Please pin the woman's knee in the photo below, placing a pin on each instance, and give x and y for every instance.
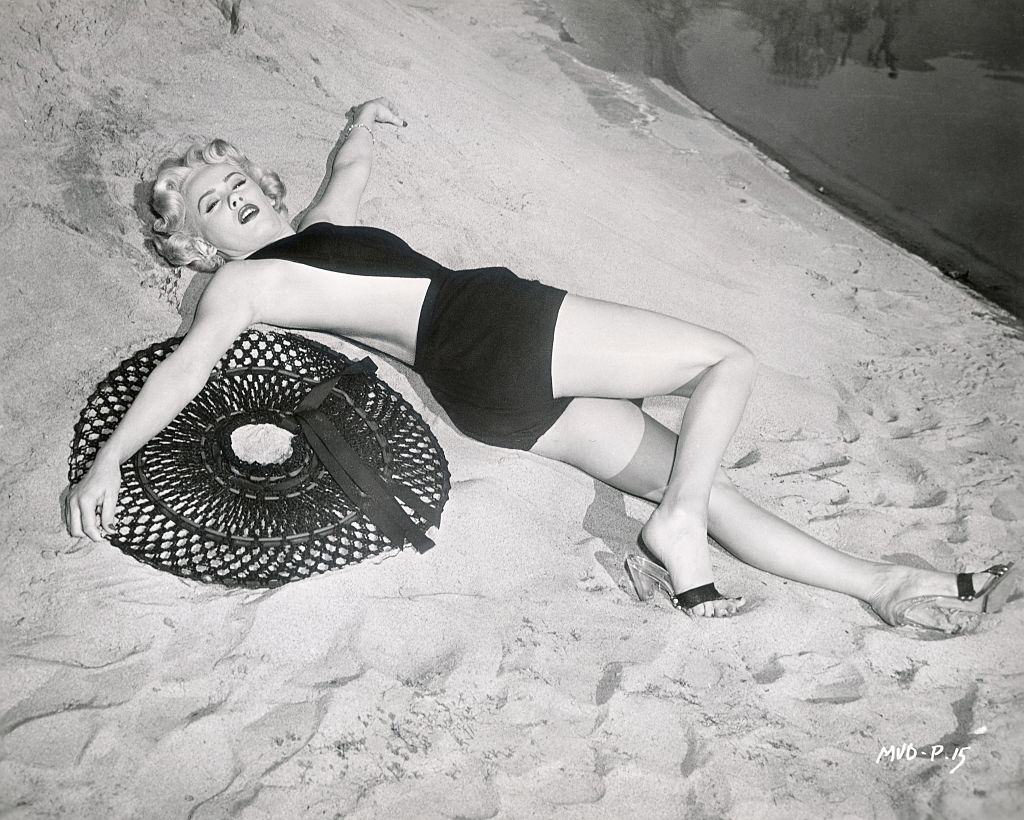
(725, 356)
(742, 358)
(739, 362)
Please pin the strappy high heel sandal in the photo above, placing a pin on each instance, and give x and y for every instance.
(645, 575)
(901, 612)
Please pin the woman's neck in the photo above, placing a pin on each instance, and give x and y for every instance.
(284, 231)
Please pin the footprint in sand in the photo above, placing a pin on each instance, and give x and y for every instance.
(572, 776)
(1009, 505)
(749, 204)
(655, 725)
(812, 678)
(770, 672)
(956, 529)
(844, 259)
(848, 431)
(901, 415)
(426, 640)
(862, 395)
(837, 298)
(903, 482)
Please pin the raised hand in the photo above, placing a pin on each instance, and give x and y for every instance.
(373, 111)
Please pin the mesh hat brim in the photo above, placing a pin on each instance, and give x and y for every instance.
(190, 506)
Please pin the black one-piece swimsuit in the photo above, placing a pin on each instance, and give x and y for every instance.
(483, 344)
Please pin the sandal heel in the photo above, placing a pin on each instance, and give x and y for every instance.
(638, 578)
(645, 575)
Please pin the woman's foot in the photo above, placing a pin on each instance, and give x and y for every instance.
(930, 599)
(680, 542)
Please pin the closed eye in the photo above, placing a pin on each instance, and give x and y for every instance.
(212, 203)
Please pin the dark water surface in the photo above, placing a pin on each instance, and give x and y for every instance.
(909, 113)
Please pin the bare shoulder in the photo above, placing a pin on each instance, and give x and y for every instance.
(241, 281)
(241, 274)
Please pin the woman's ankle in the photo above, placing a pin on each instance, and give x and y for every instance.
(682, 513)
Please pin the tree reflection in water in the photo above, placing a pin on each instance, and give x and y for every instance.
(889, 11)
(809, 38)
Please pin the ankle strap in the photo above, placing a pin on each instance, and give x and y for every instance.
(698, 595)
(965, 586)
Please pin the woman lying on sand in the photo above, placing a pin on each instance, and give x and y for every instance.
(515, 363)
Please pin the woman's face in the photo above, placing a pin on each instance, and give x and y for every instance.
(230, 211)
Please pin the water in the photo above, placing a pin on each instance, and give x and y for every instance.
(909, 113)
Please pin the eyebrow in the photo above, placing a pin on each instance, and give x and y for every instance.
(199, 202)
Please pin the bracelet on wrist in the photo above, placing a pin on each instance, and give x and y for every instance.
(353, 126)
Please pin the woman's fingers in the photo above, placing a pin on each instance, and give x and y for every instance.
(381, 109)
(81, 516)
(389, 113)
(92, 504)
(88, 509)
(74, 516)
(108, 510)
(388, 116)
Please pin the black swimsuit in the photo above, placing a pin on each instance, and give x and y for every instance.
(483, 344)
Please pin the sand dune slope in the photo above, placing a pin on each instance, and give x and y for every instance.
(507, 673)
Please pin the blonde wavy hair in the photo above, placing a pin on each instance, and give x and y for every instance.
(174, 231)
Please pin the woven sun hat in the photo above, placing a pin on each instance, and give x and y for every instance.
(293, 460)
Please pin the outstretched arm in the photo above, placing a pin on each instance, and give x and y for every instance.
(224, 311)
(346, 178)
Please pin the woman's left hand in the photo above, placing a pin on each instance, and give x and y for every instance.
(372, 111)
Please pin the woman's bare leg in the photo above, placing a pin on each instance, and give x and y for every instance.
(619, 444)
(602, 349)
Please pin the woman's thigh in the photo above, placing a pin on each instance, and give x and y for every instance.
(604, 349)
(614, 441)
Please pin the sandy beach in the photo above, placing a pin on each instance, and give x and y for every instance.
(508, 672)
